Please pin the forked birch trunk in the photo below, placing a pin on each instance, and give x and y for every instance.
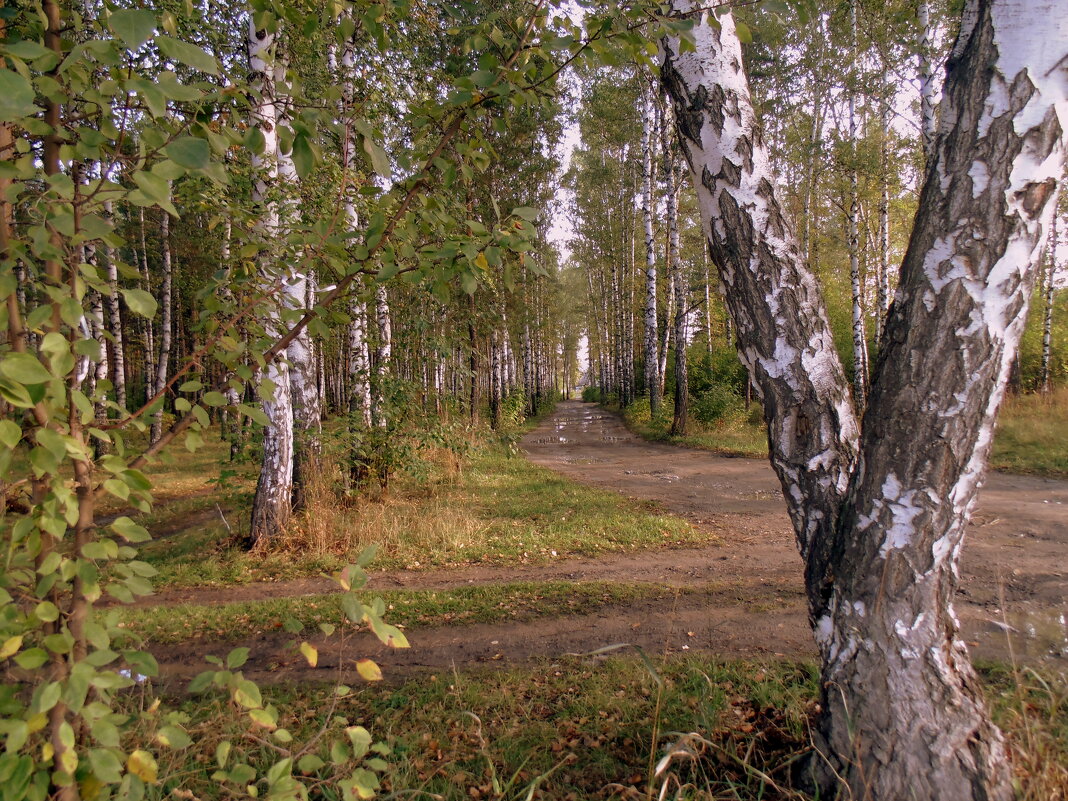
(880, 517)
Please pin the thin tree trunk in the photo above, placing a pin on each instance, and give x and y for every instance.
(924, 48)
(652, 376)
(166, 324)
(118, 371)
(882, 290)
(1045, 379)
(383, 357)
(860, 339)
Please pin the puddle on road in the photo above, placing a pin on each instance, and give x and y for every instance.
(1035, 634)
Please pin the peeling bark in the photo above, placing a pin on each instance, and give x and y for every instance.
(903, 713)
(272, 504)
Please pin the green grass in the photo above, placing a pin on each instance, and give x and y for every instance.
(519, 601)
(498, 510)
(1032, 435)
(580, 729)
(737, 433)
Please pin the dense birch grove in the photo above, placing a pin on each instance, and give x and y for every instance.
(326, 234)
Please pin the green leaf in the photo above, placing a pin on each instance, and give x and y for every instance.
(190, 152)
(133, 26)
(215, 399)
(106, 766)
(173, 737)
(24, 368)
(16, 96)
(528, 213)
(303, 155)
(309, 763)
(10, 434)
(236, 658)
(190, 55)
(154, 187)
(31, 659)
(140, 302)
(379, 159)
(247, 694)
(129, 530)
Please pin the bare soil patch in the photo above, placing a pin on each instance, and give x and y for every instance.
(1013, 591)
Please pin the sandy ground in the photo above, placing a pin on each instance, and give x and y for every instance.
(744, 595)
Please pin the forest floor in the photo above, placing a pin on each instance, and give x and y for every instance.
(738, 596)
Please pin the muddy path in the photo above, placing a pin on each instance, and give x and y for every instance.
(744, 595)
(1015, 559)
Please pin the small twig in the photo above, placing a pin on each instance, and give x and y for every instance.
(222, 517)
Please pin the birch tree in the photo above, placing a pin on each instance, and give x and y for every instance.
(652, 372)
(272, 503)
(880, 513)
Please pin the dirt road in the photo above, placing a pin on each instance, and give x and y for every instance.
(1016, 547)
(743, 596)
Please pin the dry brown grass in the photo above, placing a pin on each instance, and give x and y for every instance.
(417, 524)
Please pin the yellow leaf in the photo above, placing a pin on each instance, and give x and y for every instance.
(368, 670)
(480, 261)
(11, 646)
(142, 765)
(310, 653)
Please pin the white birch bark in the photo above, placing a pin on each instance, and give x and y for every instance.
(903, 717)
(652, 373)
(383, 356)
(882, 289)
(299, 295)
(860, 339)
(162, 362)
(114, 323)
(272, 504)
(925, 46)
(148, 336)
(1045, 378)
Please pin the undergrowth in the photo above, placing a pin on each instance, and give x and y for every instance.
(576, 729)
(490, 508)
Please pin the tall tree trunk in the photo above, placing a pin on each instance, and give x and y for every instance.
(924, 48)
(299, 292)
(148, 339)
(652, 376)
(882, 289)
(166, 325)
(114, 324)
(860, 338)
(383, 357)
(272, 503)
(903, 716)
(1045, 382)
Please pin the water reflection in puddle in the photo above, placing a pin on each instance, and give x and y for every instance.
(1034, 634)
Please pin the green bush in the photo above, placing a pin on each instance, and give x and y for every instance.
(715, 403)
